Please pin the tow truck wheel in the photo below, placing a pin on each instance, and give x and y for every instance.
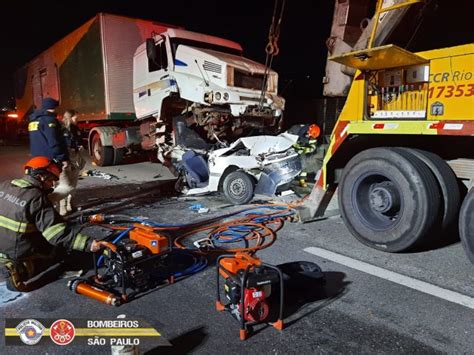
(101, 155)
(466, 225)
(238, 187)
(447, 182)
(388, 200)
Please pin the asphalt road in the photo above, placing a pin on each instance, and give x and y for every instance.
(372, 302)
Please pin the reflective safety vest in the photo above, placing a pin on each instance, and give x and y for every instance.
(305, 147)
(29, 224)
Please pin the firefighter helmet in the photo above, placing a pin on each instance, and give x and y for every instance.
(42, 164)
(314, 131)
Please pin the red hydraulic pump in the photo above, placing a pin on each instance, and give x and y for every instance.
(248, 285)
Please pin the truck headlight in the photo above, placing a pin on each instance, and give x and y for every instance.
(217, 96)
(208, 97)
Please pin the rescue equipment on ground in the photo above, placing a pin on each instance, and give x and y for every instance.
(248, 285)
(135, 265)
(141, 257)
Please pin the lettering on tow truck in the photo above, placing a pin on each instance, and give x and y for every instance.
(454, 76)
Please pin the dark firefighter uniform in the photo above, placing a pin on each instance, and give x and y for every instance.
(30, 227)
(46, 137)
(306, 144)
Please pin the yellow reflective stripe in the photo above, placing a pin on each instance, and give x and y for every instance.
(21, 183)
(50, 232)
(15, 226)
(80, 242)
(33, 126)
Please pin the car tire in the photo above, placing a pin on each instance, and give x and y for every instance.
(101, 155)
(388, 200)
(238, 187)
(466, 225)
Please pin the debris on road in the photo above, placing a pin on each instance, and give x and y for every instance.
(99, 174)
(196, 207)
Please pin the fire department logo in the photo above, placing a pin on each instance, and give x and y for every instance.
(30, 331)
(62, 332)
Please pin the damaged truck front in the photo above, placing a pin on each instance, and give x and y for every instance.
(129, 78)
(207, 81)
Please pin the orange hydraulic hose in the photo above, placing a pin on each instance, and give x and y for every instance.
(264, 233)
(99, 295)
(221, 227)
(108, 245)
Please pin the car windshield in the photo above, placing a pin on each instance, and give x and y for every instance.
(176, 42)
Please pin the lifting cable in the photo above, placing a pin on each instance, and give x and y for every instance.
(272, 48)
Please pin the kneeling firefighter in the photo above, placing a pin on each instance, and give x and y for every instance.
(33, 236)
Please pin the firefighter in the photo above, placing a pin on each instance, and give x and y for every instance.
(306, 145)
(33, 236)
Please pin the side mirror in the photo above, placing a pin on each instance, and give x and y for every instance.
(151, 49)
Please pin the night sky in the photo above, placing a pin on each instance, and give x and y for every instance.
(26, 29)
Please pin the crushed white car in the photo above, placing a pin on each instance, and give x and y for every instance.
(248, 166)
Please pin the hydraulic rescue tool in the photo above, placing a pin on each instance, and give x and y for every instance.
(133, 265)
(248, 285)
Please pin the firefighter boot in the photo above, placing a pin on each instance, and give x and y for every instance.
(302, 179)
(18, 274)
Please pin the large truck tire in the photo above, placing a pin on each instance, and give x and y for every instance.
(388, 200)
(466, 225)
(238, 187)
(447, 183)
(101, 155)
(118, 155)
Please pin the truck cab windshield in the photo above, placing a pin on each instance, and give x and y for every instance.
(176, 42)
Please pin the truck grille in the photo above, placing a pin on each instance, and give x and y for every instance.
(213, 67)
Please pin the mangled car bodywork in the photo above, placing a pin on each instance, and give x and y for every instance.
(248, 166)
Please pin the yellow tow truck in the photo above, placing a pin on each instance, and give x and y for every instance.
(401, 154)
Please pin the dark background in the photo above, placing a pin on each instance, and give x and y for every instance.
(26, 29)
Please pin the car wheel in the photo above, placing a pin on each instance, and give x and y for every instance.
(238, 187)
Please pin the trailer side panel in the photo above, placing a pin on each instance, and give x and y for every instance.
(70, 71)
(82, 76)
(121, 36)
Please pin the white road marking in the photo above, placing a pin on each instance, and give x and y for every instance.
(425, 287)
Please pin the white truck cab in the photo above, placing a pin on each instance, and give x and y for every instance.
(206, 79)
